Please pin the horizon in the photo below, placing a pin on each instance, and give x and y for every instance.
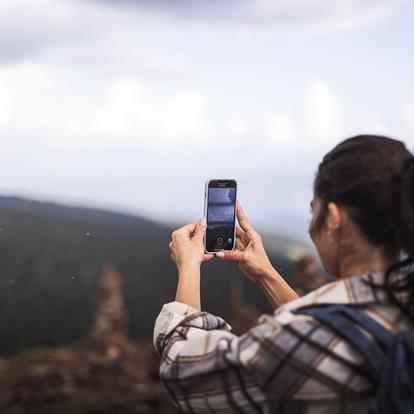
(272, 238)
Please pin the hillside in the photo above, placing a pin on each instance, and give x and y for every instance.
(51, 257)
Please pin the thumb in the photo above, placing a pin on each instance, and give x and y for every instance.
(235, 255)
(200, 229)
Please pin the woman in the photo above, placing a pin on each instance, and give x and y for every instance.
(362, 226)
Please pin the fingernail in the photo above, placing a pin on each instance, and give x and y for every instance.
(203, 222)
(220, 254)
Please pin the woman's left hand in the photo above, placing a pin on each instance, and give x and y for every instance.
(187, 247)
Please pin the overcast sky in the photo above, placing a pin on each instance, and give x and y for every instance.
(131, 105)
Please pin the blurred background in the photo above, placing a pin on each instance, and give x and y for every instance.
(113, 113)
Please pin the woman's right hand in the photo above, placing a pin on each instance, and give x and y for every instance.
(249, 251)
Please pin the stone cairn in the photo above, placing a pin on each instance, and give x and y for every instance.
(107, 337)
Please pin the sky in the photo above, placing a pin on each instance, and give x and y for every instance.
(131, 105)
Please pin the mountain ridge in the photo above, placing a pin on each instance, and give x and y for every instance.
(51, 257)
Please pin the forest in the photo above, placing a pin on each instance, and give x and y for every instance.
(51, 258)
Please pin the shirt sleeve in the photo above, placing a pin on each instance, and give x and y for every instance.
(201, 365)
(275, 366)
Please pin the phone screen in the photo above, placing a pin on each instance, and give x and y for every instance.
(221, 209)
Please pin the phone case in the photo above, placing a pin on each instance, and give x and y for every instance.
(205, 215)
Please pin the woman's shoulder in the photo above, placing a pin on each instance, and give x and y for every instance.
(362, 291)
(357, 290)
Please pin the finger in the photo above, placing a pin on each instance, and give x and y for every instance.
(189, 228)
(170, 245)
(242, 236)
(208, 257)
(249, 231)
(200, 229)
(240, 245)
(239, 232)
(235, 255)
(245, 238)
(186, 231)
(242, 219)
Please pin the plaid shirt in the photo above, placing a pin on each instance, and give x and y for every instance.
(287, 363)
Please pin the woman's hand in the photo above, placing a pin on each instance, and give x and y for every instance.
(187, 252)
(187, 247)
(249, 251)
(254, 263)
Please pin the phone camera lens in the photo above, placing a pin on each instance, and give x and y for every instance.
(219, 240)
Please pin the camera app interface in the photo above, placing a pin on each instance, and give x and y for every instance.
(220, 218)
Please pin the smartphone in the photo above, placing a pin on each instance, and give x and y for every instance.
(220, 213)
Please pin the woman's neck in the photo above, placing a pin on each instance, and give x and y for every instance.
(365, 259)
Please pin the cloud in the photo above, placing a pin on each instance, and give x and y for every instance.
(323, 112)
(58, 109)
(27, 29)
(312, 14)
(280, 132)
(131, 113)
(3, 105)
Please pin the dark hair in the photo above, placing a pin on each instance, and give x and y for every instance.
(373, 177)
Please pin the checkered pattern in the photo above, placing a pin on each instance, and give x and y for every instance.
(287, 363)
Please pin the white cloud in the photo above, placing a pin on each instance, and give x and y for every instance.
(54, 107)
(43, 105)
(185, 116)
(3, 105)
(280, 132)
(130, 112)
(323, 112)
(310, 14)
(28, 28)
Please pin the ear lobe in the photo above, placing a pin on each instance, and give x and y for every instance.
(334, 219)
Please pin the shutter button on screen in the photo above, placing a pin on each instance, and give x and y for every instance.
(219, 240)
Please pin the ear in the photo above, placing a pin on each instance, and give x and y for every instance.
(335, 217)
